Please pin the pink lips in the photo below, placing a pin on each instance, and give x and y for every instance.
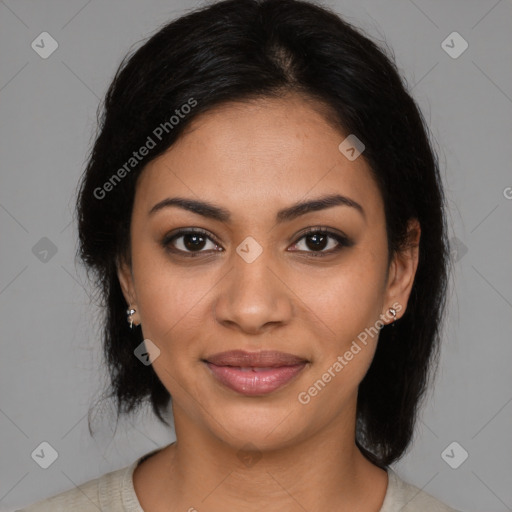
(254, 373)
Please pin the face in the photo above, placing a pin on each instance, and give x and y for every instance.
(254, 274)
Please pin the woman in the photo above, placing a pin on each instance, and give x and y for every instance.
(264, 214)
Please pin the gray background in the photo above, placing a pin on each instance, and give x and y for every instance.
(51, 363)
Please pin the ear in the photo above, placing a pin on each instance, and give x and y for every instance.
(402, 271)
(125, 276)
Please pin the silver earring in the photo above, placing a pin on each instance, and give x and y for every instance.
(393, 312)
(129, 313)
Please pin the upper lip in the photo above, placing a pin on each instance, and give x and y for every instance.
(263, 359)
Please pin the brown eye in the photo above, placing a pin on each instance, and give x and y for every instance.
(321, 241)
(317, 241)
(193, 241)
(189, 241)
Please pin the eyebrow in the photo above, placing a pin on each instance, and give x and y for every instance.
(211, 211)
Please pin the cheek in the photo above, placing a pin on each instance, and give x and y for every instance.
(173, 305)
(347, 299)
(170, 303)
(345, 344)
(348, 303)
(157, 289)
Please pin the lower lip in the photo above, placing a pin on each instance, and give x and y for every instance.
(254, 382)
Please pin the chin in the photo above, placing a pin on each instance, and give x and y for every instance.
(267, 424)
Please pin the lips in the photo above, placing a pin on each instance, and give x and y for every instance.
(263, 359)
(254, 373)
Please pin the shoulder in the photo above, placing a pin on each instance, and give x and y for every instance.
(404, 497)
(103, 493)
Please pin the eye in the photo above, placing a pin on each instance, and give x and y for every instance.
(189, 241)
(319, 239)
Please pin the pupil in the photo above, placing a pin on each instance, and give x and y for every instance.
(319, 238)
(198, 242)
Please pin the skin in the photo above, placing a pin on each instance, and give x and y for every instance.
(253, 159)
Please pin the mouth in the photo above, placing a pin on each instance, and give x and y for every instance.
(254, 373)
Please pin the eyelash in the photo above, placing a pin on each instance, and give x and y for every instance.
(343, 241)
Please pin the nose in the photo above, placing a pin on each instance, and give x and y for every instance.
(253, 297)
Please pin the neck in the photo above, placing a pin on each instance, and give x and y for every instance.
(324, 470)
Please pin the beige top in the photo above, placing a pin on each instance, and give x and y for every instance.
(114, 492)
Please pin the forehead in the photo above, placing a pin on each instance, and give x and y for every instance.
(255, 155)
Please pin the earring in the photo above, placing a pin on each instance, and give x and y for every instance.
(129, 313)
(393, 312)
